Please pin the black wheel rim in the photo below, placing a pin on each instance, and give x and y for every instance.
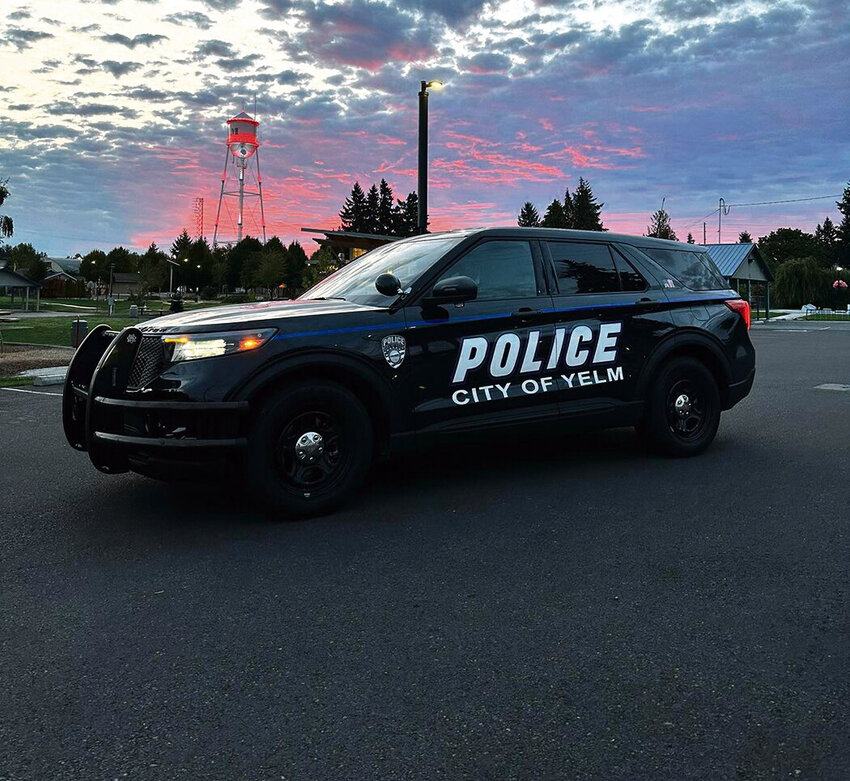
(310, 452)
(686, 410)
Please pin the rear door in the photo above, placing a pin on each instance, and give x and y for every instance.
(608, 316)
(468, 361)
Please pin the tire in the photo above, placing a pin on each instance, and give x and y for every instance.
(682, 410)
(309, 448)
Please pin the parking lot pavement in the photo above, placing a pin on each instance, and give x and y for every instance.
(567, 608)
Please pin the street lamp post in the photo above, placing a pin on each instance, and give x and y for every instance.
(422, 185)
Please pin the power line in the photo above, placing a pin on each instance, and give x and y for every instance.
(759, 203)
(788, 200)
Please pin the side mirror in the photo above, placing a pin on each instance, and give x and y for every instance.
(453, 290)
(388, 285)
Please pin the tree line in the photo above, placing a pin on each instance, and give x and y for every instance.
(579, 211)
(278, 269)
(378, 212)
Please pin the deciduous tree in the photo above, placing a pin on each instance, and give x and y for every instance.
(7, 227)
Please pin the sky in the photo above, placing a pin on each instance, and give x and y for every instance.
(114, 111)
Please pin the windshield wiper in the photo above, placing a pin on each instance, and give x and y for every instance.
(328, 298)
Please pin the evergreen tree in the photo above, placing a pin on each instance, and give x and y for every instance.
(554, 217)
(406, 216)
(181, 246)
(569, 210)
(354, 211)
(199, 264)
(826, 236)
(659, 226)
(373, 207)
(386, 218)
(296, 268)
(586, 210)
(7, 227)
(152, 269)
(528, 216)
(843, 229)
(690, 238)
(243, 262)
(745, 238)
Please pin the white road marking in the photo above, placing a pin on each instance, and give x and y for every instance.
(37, 393)
(834, 386)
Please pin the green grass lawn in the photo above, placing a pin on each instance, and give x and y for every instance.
(54, 330)
(15, 382)
(841, 317)
(89, 306)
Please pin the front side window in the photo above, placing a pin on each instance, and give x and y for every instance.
(583, 268)
(501, 269)
(631, 280)
(407, 260)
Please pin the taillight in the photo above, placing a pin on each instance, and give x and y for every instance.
(742, 308)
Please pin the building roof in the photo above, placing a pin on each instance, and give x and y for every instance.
(9, 278)
(68, 265)
(739, 261)
(243, 117)
(125, 278)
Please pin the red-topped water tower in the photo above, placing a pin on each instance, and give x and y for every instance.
(243, 151)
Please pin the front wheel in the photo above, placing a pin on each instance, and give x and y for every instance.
(309, 448)
(682, 410)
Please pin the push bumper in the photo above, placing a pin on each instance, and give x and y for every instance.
(121, 429)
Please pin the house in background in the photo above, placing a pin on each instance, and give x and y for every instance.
(125, 284)
(744, 267)
(63, 278)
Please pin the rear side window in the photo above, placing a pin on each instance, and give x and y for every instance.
(695, 270)
(583, 268)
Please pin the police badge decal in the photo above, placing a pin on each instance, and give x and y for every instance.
(394, 348)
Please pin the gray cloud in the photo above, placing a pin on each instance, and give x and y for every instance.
(144, 39)
(213, 48)
(119, 69)
(22, 39)
(201, 21)
(485, 62)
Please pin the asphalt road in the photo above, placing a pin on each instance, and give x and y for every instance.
(572, 608)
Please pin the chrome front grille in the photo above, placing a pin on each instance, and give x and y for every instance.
(148, 363)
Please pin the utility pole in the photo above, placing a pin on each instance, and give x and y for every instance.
(722, 209)
(703, 234)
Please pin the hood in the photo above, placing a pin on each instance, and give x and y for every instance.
(262, 313)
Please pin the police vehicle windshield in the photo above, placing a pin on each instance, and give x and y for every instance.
(407, 260)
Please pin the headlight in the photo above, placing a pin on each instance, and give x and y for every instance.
(190, 347)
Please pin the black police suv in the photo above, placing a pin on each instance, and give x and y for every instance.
(436, 335)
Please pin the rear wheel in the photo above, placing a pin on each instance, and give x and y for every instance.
(682, 409)
(309, 448)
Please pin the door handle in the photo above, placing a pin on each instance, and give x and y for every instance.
(525, 313)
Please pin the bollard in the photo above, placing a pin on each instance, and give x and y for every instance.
(79, 328)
